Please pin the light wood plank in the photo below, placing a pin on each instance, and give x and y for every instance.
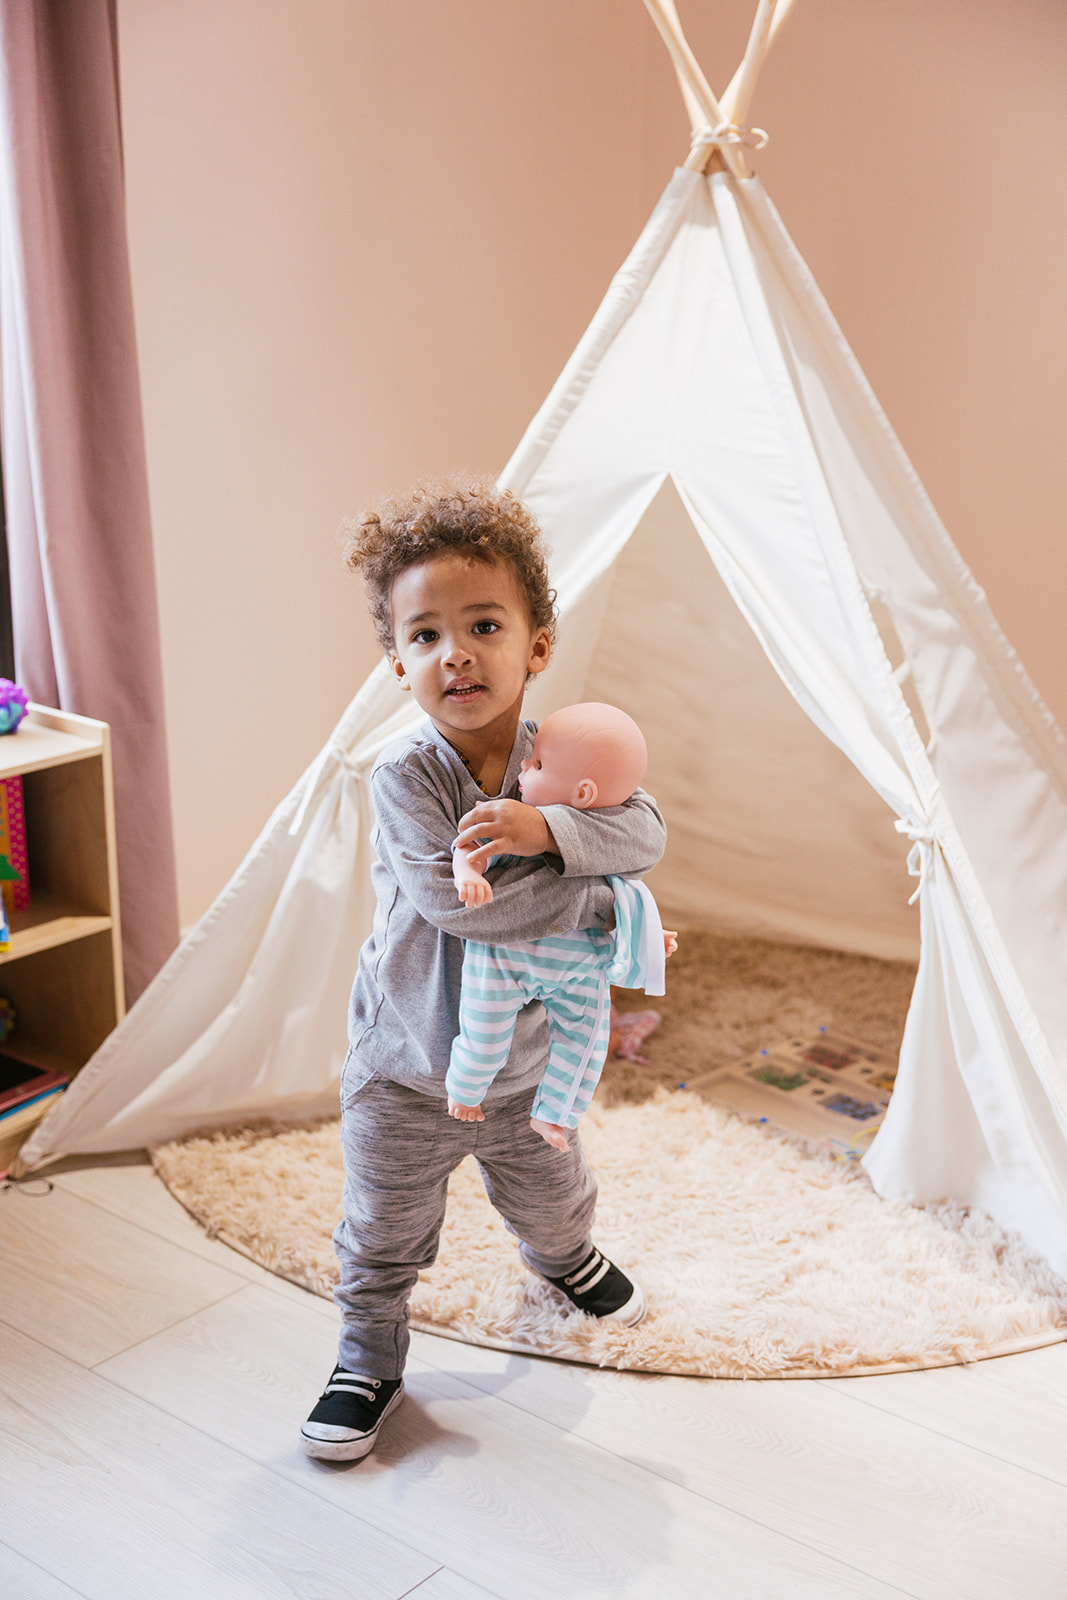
(1014, 1408)
(48, 922)
(844, 1478)
(445, 1585)
(87, 1284)
(129, 1188)
(123, 1502)
(45, 739)
(24, 1580)
(494, 1494)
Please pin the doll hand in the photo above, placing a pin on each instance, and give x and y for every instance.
(464, 1113)
(471, 887)
(503, 828)
(475, 892)
(670, 943)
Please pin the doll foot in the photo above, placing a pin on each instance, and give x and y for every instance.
(465, 1113)
(553, 1135)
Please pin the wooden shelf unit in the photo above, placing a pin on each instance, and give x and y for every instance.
(63, 972)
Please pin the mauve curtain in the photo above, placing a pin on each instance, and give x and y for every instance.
(82, 573)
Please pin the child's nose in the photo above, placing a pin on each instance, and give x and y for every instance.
(456, 652)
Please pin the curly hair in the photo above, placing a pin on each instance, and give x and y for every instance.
(456, 515)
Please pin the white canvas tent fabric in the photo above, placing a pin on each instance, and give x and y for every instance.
(714, 411)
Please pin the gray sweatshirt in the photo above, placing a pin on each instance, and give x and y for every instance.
(404, 1011)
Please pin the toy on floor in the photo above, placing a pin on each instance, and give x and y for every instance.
(586, 756)
(629, 1030)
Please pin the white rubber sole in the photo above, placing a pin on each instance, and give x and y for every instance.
(344, 1444)
(630, 1314)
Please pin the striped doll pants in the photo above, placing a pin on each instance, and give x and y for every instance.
(568, 974)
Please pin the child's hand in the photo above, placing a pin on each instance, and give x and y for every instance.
(504, 828)
(670, 943)
(464, 1113)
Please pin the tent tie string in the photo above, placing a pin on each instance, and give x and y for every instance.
(921, 854)
(727, 133)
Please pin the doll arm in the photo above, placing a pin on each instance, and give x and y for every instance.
(470, 881)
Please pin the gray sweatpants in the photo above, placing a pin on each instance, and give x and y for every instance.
(400, 1147)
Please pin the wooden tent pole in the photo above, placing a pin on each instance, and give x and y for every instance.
(734, 104)
(747, 73)
(697, 117)
(700, 102)
(689, 74)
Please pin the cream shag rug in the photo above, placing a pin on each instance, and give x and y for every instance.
(760, 1259)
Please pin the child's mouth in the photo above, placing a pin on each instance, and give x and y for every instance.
(464, 691)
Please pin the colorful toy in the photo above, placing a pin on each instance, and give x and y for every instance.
(13, 705)
(7, 875)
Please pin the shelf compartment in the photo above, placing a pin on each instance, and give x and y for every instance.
(49, 921)
(66, 1000)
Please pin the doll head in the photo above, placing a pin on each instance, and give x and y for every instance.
(584, 756)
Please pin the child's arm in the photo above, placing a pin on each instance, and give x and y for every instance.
(530, 899)
(625, 840)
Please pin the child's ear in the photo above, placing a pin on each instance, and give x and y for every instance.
(398, 670)
(540, 650)
(585, 795)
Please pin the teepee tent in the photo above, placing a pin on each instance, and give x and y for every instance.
(747, 563)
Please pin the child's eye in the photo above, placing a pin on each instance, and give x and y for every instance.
(424, 636)
(486, 625)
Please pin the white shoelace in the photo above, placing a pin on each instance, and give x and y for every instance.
(350, 1383)
(588, 1275)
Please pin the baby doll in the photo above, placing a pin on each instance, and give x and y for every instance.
(584, 756)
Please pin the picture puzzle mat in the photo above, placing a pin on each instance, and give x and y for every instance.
(829, 1089)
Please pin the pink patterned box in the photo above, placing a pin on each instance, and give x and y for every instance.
(13, 843)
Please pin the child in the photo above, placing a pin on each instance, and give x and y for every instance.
(584, 756)
(459, 593)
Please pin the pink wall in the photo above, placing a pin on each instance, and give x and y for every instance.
(365, 237)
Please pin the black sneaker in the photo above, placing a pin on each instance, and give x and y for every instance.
(350, 1410)
(598, 1288)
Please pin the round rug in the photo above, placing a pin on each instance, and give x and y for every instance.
(760, 1260)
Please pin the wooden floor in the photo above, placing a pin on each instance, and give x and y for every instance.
(152, 1384)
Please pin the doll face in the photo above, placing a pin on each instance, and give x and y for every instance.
(551, 775)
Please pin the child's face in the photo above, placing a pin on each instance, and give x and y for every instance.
(464, 644)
